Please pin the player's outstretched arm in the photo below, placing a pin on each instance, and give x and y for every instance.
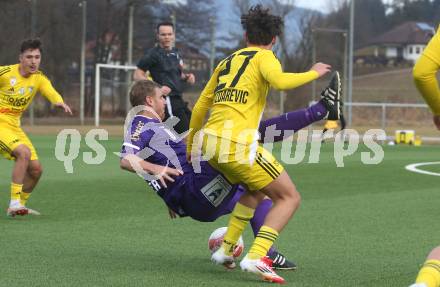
(321, 68)
(49, 92)
(164, 174)
(272, 71)
(424, 74)
(65, 107)
(287, 81)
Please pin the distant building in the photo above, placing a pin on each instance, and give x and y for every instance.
(405, 42)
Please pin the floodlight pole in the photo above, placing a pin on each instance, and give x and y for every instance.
(213, 50)
(129, 52)
(344, 88)
(33, 34)
(283, 65)
(83, 5)
(313, 62)
(350, 63)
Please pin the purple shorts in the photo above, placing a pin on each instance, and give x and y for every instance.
(208, 195)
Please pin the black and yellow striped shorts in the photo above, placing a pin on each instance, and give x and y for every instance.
(250, 165)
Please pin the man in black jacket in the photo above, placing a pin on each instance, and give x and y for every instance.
(165, 66)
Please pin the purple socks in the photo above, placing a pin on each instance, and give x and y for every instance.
(292, 121)
(259, 216)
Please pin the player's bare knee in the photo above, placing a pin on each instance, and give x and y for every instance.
(290, 197)
(296, 199)
(36, 171)
(293, 197)
(435, 253)
(22, 153)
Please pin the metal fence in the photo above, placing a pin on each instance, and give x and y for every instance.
(394, 116)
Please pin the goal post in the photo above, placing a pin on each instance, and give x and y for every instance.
(98, 82)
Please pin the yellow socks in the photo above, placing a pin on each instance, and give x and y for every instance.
(24, 196)
(15, 193)
(240, 217)
(430, 273)
(263, 242)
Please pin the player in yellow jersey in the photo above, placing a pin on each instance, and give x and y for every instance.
(18, 85)
(236, 96)
(424, 73)
(429, 274)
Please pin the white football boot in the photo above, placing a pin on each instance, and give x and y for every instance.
(33, 211)
(262, 267)
(219, 257)
(16, 209)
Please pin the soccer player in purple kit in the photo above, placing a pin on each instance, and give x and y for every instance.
(155, 148)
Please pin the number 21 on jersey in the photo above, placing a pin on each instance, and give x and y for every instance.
(234, 67)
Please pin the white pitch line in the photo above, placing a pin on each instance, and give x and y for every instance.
(414, 168)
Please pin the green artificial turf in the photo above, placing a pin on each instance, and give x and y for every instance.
(360, 225)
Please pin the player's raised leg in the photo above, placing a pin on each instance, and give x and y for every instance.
(328, 107)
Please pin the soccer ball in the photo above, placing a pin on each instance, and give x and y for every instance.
(216, 238)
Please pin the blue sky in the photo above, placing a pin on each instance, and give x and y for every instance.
(228, 22)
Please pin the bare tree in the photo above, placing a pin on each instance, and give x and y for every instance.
(192, 20)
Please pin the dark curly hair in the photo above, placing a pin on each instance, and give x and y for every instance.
(261, 26)
(31, 44)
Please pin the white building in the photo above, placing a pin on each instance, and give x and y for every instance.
(404, 42)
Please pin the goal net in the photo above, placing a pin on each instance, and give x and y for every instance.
(112, 84)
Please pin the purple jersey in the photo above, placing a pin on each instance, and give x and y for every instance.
(155, 142)
(203, 196)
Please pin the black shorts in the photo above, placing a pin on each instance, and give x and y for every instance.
(179, 109)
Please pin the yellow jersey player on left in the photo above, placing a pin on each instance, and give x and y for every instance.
(18, 85)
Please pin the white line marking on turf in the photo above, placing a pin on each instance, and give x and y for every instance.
(414, 168)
